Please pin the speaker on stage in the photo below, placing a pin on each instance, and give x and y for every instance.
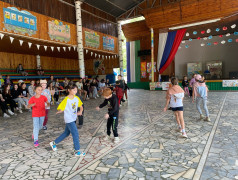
(164, 78)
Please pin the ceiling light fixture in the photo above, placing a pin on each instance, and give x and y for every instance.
(195, 24)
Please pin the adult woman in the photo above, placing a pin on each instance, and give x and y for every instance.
(9, 99)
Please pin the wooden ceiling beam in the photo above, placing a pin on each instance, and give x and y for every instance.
(188, 11)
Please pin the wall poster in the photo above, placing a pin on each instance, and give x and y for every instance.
(230, 83)
(108, 43)
(58, 31)
(92, 39)
(194, 68)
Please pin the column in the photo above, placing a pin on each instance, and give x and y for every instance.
(120, 47)
(152, 54)
(38, 61)
(80, 38)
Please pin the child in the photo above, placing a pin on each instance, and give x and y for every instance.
(4, 107)
(24, 94)
(200, 93)
(185, 85)
(125, 89)
(112, 115)
(192, 82)
(175, 95)
(1, 83)
(46, 93)
(69, 106)
(119, 89)
(37, 103)
(31, 89)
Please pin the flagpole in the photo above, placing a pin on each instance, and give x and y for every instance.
(152, 54)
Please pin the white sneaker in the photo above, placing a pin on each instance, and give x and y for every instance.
(184, 135)
(10, 112)
(97, 95)
(201, 117)
(116, 140)
(106, 138)
(95, 98)
(5, 115)
(20, 111)
(207, 119)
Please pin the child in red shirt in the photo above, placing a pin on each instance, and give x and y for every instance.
(37, 103)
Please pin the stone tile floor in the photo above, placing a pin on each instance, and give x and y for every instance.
(150, 146)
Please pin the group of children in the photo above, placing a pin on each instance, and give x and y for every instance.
(175, 96)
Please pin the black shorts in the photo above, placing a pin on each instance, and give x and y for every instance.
(177, 108)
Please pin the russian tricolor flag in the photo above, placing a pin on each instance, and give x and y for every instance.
(168, 47)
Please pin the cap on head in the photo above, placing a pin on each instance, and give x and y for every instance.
(198, 77)
(43, 82)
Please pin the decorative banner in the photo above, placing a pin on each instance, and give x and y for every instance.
(69, 47)
(108, 43)
(210, 37)
(29, 44)
(19, 21)
(202, 32)
(95, 55)
(230, 83)
(229, 40)
(74, 48)
(198, 38)
(217, 29)
(52, 48)
(109, 57)
(86, 51)
(223, 42)
(11, 39)
(106, 57)
(208, 31)
(228, 34)
(149, 67)
(45, 48)
(91, 53)
(64, 48)
(187, 34)
(58, 31)
(21, 42)
(2, 35)
(143, 69)
(38, 46)
(99, 55)
(187, 46)
(58, 49)
(92, 39)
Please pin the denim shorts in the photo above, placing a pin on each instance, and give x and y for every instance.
(177, 108)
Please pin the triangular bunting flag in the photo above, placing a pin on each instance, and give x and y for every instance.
(75, 47)
(11, 39)
(58, 49)
(45, 48)
(99, 55)
(52, 48)
(103, 56)
(64, 48)
(86, 51)
(69, 48)
(2, 35)
(21, 42)
(29, 44)
(91, 53)
(38, 46)
(95, 55)
(106, 57)
(109, 57)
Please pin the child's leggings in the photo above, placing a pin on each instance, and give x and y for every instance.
(112, 122)
(46, 117)
(198, 102)
(119, 99)
(186, 91)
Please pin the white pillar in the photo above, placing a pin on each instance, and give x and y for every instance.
(120, 47)
(38, 61)
(80, 38)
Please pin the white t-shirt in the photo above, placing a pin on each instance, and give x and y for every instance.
(176, 100)
(79, 85)
(70, 108)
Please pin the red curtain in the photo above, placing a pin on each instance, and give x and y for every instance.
(178, 38)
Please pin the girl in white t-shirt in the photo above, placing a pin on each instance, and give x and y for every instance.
(175, 95)
(70, 108)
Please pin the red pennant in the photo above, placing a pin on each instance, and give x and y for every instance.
(198, 38)
(215, 43)
(220, 35)
(202, 32)
(224, 28)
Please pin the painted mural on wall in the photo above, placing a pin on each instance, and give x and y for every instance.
(92, 39)
(230, 83)
(21, 22)
(58, 31)
(98, 66)
(108, 43)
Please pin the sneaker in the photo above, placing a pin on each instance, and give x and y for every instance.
(207, 119)
(10, 112)
(78, 153)
(116, 140)
(17, 108)
(5, 115)
(106, 138)
(36, 144)
(201, 117)
(20, 111)
(95, 97)
(53, 146)
(44, 127)
(184, 135)
(57, 103)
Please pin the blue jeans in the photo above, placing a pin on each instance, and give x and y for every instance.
(37, 126)
(70, 128)
(198, 102)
